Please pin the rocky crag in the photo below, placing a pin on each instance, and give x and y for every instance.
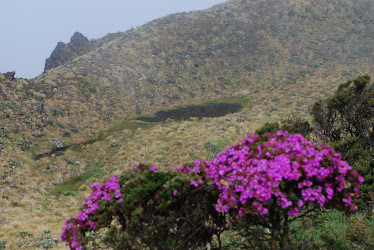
(64, 53)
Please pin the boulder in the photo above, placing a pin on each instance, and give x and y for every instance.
(58, 143)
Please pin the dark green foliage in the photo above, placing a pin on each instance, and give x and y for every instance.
(60, 124)
(332, 229)
(66, 134)
(57, 112)
(152, 216)
(356, 152)
(268, 127)
(294, 124)
(15, 163)
(348, 113)
(328, 229)
(346, 120)
(74, 130)
(2, 244)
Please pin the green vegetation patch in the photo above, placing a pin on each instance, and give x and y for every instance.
(71, 186)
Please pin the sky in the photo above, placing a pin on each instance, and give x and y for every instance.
(31, 29)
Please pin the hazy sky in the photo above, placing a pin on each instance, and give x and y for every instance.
(30, 29)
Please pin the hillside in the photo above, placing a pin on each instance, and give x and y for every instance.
(273, 57)
(284, 50)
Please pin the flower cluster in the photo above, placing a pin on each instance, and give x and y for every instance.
(285, 169)
(195, 173)
(108, 191)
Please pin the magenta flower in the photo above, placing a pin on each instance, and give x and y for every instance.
(108, 191)
(153, 168)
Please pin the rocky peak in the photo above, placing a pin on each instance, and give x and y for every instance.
(78, 41)
(65, 53)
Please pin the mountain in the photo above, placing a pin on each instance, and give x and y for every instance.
(273, 57)
(239, 47)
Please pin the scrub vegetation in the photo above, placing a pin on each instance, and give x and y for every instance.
(300, 66)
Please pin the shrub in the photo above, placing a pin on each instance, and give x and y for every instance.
(2, 244)
(160, 210)
(44, 241)
(268, 127)
(268, 180)
(24, 144)
(346, 120)
(57, 112)
(263, 183)
(74, 130)
(348, 113)
(15, 163)
(59, 124)
(66, 134)
(293, 124)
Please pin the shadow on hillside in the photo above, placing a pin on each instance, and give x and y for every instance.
(212, 110)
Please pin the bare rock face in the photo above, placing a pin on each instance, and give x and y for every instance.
(10, 75)
(57, 58)
(64, 53)
(78, 42)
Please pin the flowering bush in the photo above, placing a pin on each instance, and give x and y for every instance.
(269, 178)
(283, 170)
(102, 195)
(266, 180)
(160, 210)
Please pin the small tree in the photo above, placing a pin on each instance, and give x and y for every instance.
(346, 120)
(294, 124)
(348, 113)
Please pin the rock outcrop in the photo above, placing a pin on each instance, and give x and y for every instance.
(78, 42)
(58, 143)
(64, 53)
(10, 75)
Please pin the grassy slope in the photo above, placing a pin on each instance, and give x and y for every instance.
(277, 56)
(279, 49)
